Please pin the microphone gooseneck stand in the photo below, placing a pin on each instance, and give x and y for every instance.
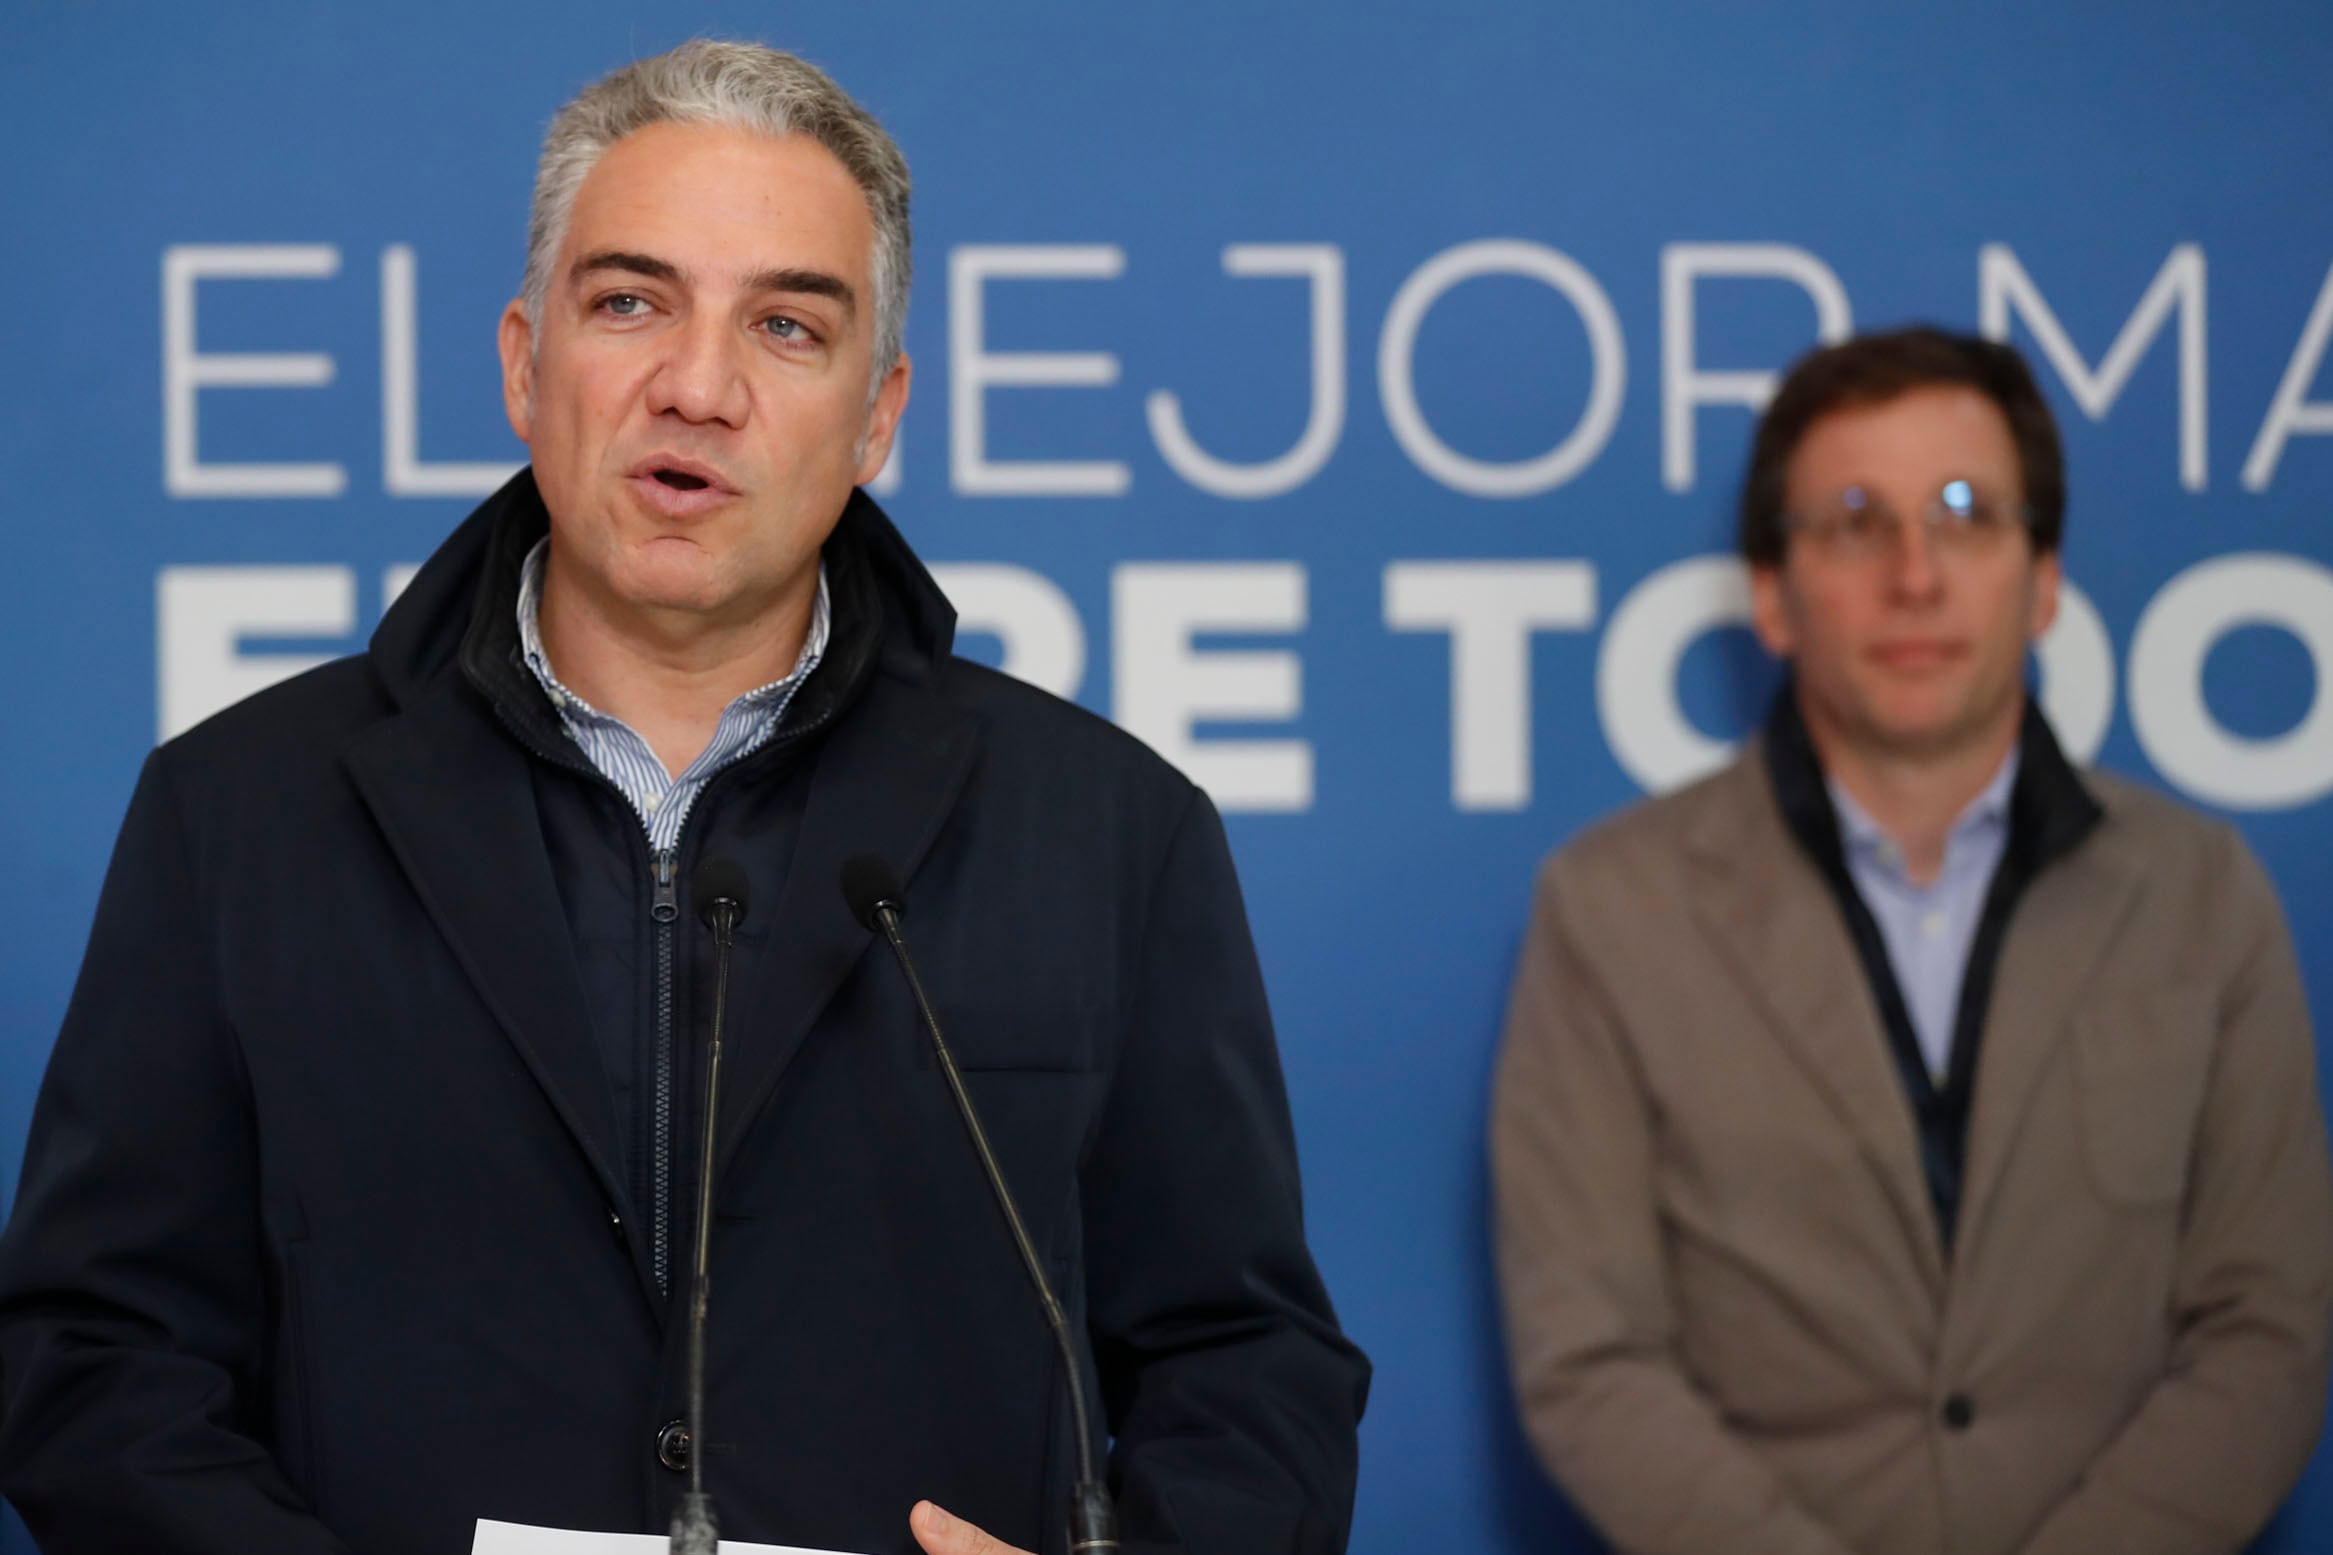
(877, 901)
(720, 897)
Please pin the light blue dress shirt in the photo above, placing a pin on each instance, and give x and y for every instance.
(614, 747)
(1929, 928)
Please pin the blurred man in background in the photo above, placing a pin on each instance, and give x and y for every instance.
(1905, 1143)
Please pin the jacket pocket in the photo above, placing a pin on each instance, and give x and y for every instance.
(2141, 1064)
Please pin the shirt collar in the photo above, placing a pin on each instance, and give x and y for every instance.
(1988, 812)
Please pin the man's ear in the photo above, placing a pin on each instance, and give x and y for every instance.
(2048, 574)
(515, 336)
(883, 420)
(1770, 609)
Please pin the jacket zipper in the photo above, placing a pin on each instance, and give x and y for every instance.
(664, 910)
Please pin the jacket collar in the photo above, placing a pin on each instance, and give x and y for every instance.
(458, 616)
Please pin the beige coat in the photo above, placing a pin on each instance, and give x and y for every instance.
(1733, 1328)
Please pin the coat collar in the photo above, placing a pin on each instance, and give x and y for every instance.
(457, 616)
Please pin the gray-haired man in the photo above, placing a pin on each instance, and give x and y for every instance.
(358, 1202)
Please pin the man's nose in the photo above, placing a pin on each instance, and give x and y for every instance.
(702, 377)
(1912, 562)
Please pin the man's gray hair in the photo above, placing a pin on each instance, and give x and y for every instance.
(743, 86)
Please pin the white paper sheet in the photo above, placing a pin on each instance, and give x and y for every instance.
(518, 1539)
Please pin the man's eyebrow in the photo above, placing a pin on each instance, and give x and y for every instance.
(616, 259)
(815, 283)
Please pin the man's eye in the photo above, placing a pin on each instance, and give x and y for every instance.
(785, 328)
(624, 305)
(1865, 522)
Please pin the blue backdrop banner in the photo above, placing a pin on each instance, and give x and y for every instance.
(1347, 400)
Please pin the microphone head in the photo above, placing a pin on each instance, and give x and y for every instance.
(720, 880)
(869, 886)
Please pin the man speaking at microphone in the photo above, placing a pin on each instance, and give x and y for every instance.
(359, 1202)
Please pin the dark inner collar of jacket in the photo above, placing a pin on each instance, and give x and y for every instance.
(2050, 809)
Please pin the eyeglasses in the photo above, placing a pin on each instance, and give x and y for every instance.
(1859, 525)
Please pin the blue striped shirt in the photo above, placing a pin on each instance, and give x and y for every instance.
(1930, 928)
(661, 800)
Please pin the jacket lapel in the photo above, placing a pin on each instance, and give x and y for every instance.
(2061, 932)
(454, 796)
(1773, 919)
(885, 780)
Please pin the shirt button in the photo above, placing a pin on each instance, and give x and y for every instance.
(1933, 925)
(672, 1446)
(1958, 1413)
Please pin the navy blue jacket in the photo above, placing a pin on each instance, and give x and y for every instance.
(326, 1238)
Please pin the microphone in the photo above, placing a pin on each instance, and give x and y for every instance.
(719, 898)
(877, 901)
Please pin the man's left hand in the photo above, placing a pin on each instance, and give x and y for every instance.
(943, 1534)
